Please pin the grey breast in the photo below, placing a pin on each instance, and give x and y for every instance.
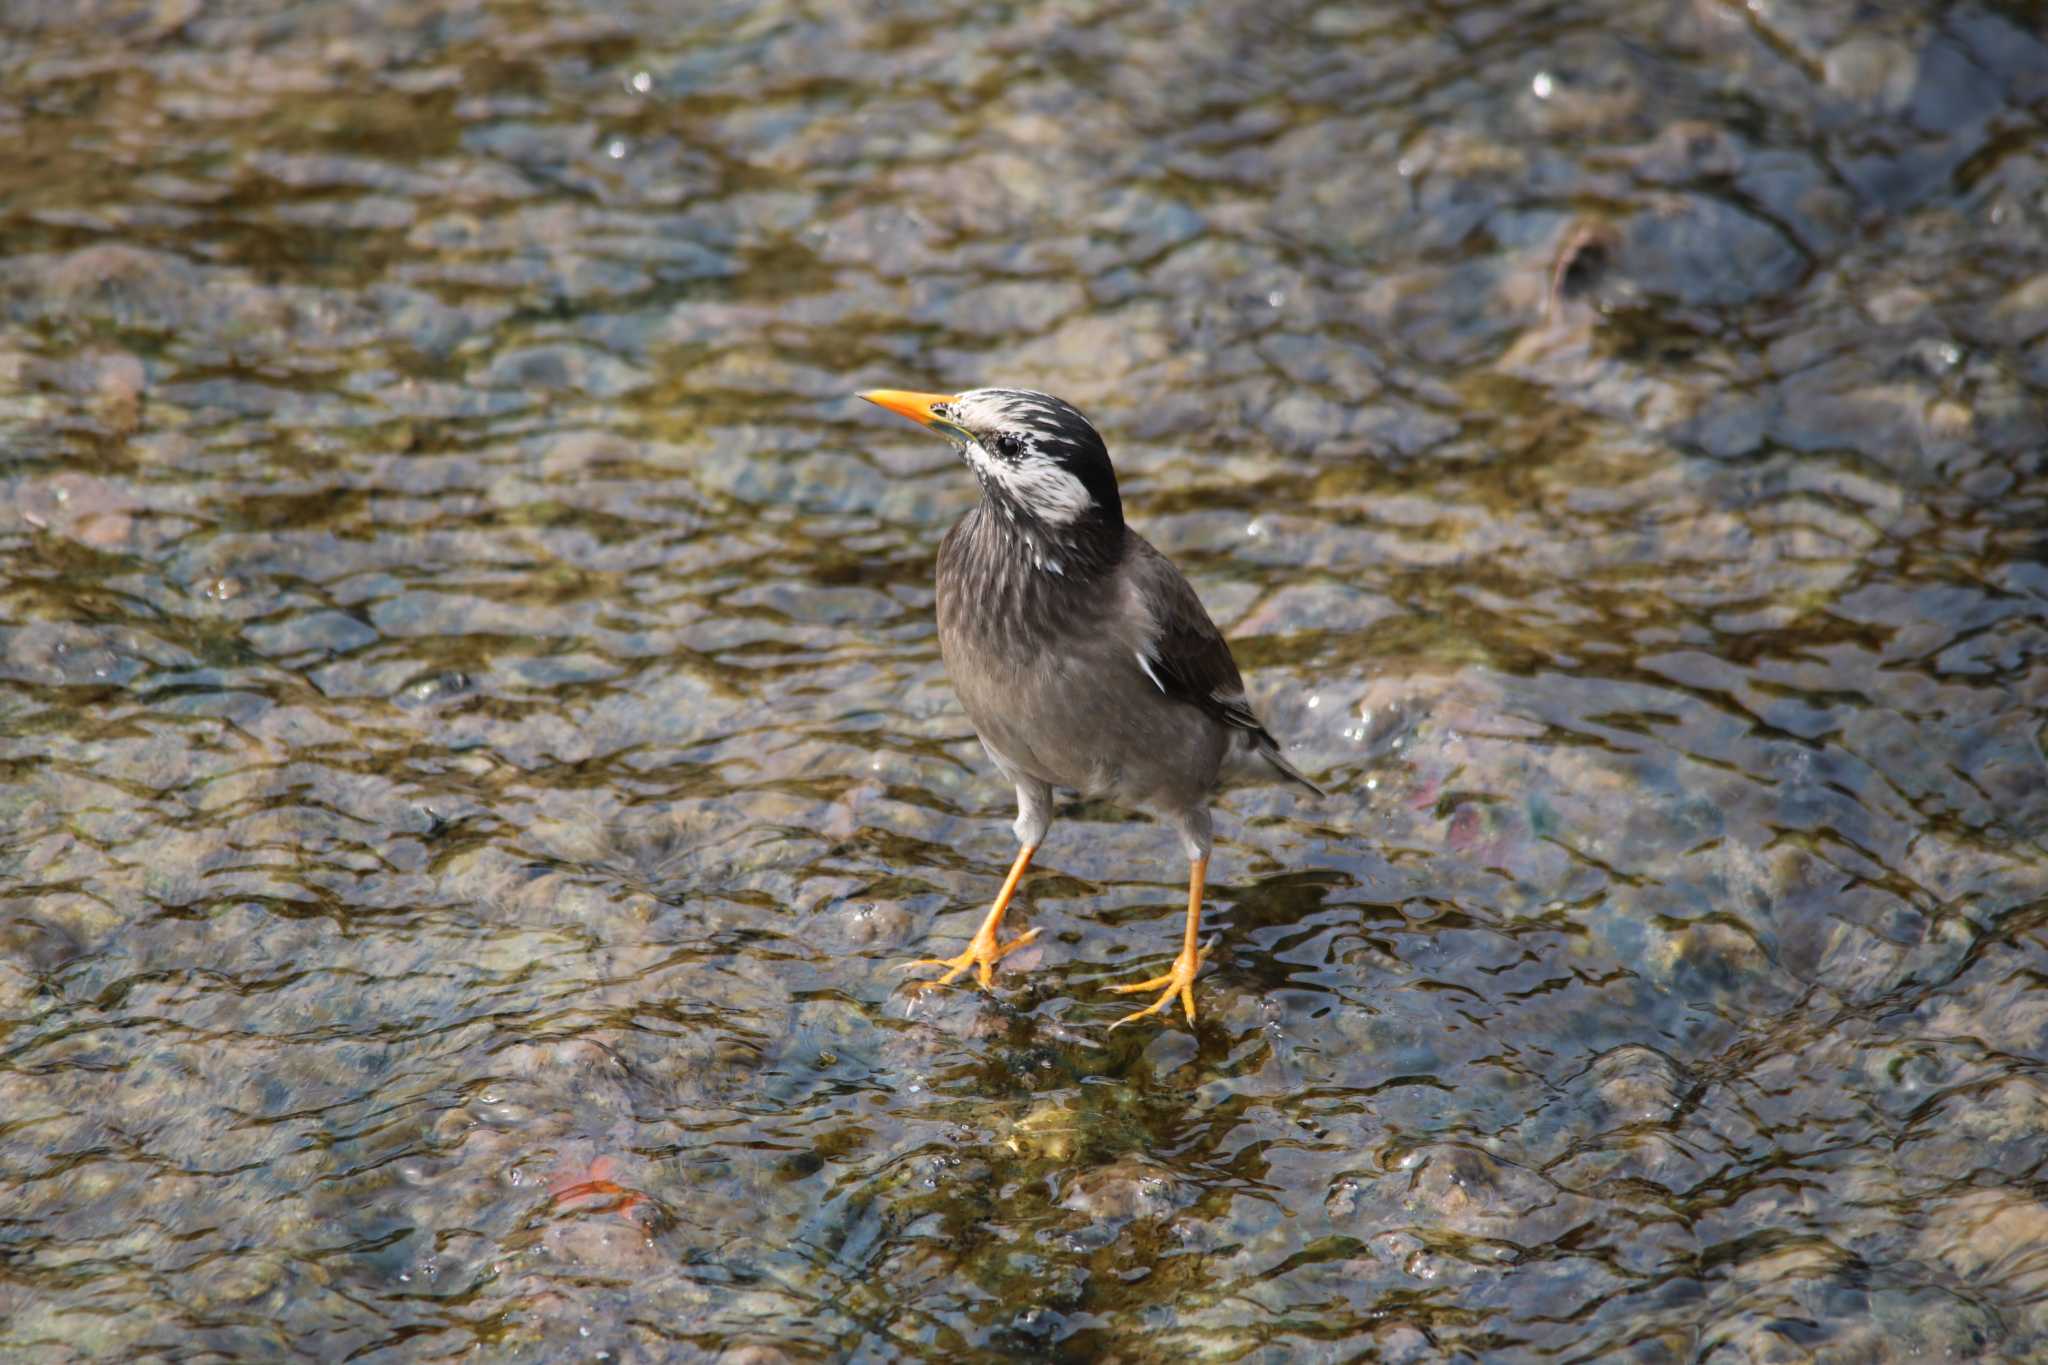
(1047, 669)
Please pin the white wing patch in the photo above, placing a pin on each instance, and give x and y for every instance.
(1146, 664)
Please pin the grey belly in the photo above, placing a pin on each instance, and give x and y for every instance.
(1084, 717)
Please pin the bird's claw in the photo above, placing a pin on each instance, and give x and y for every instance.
(982, 955)
(1178, 982)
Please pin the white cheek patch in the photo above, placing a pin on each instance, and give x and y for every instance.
(1054, 496)
(1037, 484)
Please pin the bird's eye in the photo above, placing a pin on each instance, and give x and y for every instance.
(1006, 445)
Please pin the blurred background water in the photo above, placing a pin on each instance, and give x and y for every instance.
(475, 743)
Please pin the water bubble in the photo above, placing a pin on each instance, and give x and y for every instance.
(1275, 299)
(1372, 784)
(642, 82)
(1543, 86)
(616, 148)
(1314, 702)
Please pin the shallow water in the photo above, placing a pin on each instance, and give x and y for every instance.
(476, 747)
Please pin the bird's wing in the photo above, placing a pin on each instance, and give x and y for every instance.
(1184, 654)
(1187, 658)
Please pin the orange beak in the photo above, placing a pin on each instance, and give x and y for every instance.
(916, 406)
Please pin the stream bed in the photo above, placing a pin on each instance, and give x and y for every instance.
(474, 751)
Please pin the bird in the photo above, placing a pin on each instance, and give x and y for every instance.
(1081, 654)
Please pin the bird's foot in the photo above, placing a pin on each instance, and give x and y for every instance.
(1178, 982)
(983, 953)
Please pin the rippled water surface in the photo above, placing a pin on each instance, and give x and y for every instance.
(475, 745)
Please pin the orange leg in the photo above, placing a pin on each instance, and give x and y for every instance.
(983, 950)
(1181, 980)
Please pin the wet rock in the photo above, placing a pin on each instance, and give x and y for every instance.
(89, 510)
(128, 286)
(754, 1353)
(1873, 70)
(325, 633)
(1584, 88)
(1399, 1342)
(1705, 953)
(1700, 251)
(1050, 1130)
(237, 1280)
(1764, 1339)
(1637, 1085)
(1464, 1188)
(1130, 1188)
(581, 452)
(601, 1242)
(1306, 422)
(1089, 355)
(1861, 961)
(2022, 315)
(1007, 311)
(110, 386)
(1920, 1323)
(1991, 1237)
(35, 945)
(563, 367)
(1689, 150)
(875, 923)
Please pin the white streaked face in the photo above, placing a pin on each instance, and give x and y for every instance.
(1014, 451)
